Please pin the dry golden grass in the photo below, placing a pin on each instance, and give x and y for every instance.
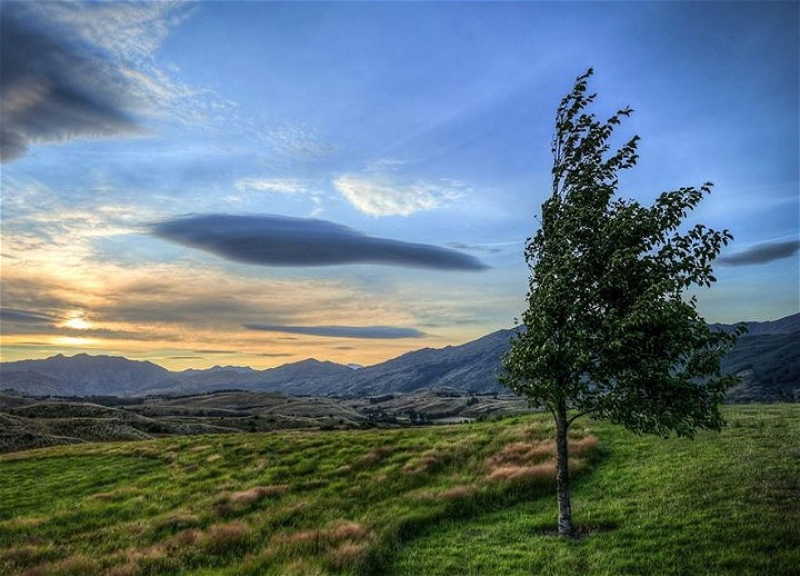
(184, 539)
(348, 555)
(220, 536)
(303, 568)
(21, 556)
(106, 495)
(377, 455)
(301, 537)
(543, 451)
(522, 454)
(428, 462)
(346, 530)
(77, 565)
(459, 492)
(255, 494)
(538, 473)
(127, 569)
(177, 520)
(231, 503)
(516, 450)
(17, 523)
(224, 508)
(534, 455)
(148, 553)
(148, 559)
(332, 537)
(580, 446)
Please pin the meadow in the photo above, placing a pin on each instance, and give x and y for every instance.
(464, 499)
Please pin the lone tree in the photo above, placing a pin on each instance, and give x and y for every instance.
(608, 331)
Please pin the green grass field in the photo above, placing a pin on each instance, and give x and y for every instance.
(457, 500)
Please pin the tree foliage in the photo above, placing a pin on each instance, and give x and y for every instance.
(609, 330)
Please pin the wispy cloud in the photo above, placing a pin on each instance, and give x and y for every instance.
(278, 185)
(368, 332)
(378, 195)
(296, 142)
(762, 253)
(130, 31)
(283, 241)
(488, 248)
(26, 316)
(129, 36)
(213, 351)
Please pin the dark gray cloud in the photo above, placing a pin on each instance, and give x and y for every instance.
(25, 316)
(54, 86)
(369, 332)
(282, 241)
(762, 254)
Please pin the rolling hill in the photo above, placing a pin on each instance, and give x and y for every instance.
(468, 500)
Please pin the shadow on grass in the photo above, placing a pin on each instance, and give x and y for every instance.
(490, 499)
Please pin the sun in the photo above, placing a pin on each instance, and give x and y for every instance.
(78, 322)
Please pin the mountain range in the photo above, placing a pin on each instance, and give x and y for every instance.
(767, 358)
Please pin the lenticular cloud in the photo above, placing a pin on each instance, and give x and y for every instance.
(284, 241)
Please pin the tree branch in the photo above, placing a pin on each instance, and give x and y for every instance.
(578, 415)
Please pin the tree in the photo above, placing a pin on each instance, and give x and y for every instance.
(608, 331)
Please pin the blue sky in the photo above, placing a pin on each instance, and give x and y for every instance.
(261, 182)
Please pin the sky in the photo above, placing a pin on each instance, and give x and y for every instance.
(256, 183)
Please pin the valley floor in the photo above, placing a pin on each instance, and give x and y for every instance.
(458, 500)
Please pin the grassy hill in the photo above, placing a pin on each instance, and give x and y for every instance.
(27, 423)
(468, 499)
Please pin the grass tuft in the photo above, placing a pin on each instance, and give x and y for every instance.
(226, 538)
(542, 474)
(461, 492)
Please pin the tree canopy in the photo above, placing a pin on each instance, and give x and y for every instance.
(609, 330)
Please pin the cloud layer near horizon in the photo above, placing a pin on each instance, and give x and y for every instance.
(283, 241)
(369, 332)
(15, 315)
(762, 253)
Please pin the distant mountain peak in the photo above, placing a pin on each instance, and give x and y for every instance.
(769, 352)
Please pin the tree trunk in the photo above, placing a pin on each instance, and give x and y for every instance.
(562, 477)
